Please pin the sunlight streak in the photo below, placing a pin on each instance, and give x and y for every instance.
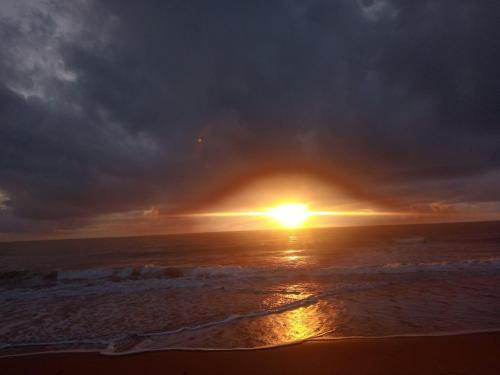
(290, 215)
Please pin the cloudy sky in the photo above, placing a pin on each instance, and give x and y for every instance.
(113, 112)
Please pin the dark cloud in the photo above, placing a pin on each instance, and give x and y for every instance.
(101, 103)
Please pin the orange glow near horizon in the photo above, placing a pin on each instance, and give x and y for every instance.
(289, 215)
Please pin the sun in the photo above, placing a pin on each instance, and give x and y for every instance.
(290, 215)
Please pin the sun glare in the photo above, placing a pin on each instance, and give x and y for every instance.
(290, 215)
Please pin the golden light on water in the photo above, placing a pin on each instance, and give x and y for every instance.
(299, 323)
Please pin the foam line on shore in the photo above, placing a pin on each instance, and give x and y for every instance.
(314, 339)
(110, 343)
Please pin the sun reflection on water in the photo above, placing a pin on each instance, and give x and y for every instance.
(302, 322)
(307, 317)
(293, 254)
(293, 257)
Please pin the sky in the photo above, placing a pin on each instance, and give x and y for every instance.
(116, 115)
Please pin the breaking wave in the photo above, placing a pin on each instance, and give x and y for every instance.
(128, 343)
(176, 276)
(29, 286)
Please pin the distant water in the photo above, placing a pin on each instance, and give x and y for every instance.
(248, 289)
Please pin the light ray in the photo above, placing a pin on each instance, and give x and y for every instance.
(309, 213)
(289, 215)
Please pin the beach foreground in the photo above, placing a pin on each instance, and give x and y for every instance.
(461, 354)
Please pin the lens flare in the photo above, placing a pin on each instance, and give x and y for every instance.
(290, 215)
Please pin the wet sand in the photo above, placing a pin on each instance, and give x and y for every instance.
(462, 354)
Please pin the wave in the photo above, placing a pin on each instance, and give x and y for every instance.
(124, 344)
(321, 337)
(139, 341)
(468, 265)
(180, 275)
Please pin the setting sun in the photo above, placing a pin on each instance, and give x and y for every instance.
(287, 215)
(290, 215)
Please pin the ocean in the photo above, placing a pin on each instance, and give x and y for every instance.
(246, 290)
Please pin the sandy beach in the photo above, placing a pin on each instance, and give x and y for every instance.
(462, 354)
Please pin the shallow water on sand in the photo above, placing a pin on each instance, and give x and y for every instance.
(247, 289)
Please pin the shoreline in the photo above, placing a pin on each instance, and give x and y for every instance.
(324, 338)
(470, 353)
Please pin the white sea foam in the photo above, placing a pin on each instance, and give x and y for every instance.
(197, 277)
(169, 295)
(321, 337)
(22, 284)
(127, 281)
(468, 265)
(112, 345)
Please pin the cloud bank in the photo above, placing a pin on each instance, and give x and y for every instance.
(108, 108)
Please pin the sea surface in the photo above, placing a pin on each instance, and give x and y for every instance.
(244, 290)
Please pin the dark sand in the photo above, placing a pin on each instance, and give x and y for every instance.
(463, 354)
